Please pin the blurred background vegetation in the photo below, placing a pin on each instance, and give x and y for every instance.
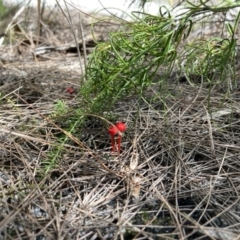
(3, 9)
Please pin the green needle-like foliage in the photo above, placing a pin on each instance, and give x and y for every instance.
(211, 59)
(128, 64)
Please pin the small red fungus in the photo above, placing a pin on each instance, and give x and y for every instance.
(119, 128)
(70, 90)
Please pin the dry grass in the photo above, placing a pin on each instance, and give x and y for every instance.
(176, 178)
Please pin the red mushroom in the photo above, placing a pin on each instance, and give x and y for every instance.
(121, 126)
(113, 131)
(70, 90)
(118, 128)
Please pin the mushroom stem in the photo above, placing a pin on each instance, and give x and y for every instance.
(119, 143)
(113, 143)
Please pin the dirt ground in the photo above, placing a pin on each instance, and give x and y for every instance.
(45, 70)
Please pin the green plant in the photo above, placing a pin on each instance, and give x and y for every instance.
(55, 155)
(60, 108)
(212, 59)
(128, 64)
(70, 124)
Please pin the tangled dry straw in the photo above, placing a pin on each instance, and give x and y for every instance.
(178, 176)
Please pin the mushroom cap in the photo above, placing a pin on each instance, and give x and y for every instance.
(113, 130)
(121, 126)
